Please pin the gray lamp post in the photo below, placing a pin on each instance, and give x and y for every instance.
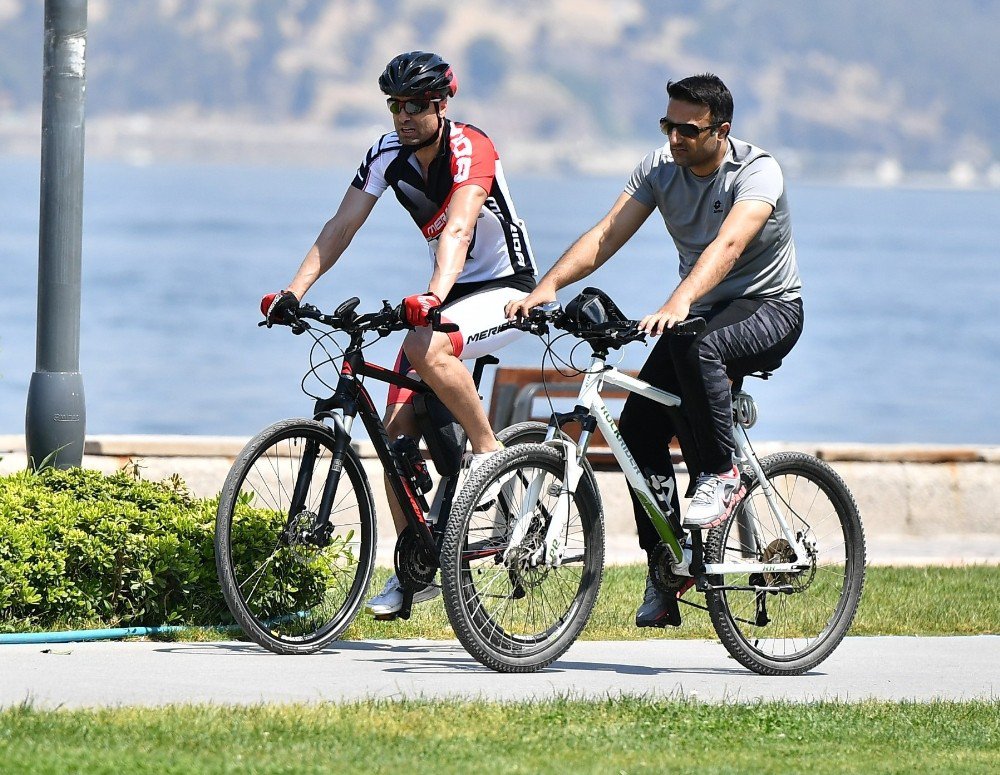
(55, 420)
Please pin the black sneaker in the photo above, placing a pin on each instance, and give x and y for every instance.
(658, 609)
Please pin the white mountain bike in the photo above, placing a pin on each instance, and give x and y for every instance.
(782, 578)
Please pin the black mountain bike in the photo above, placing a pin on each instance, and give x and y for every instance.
(295, 532)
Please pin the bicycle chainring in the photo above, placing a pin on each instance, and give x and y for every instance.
(415, 566)
(661, 570)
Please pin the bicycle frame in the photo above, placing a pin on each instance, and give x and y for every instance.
(591, 405)
(352, 399)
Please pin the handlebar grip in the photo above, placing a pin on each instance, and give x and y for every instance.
(434, 319)
(690, 327)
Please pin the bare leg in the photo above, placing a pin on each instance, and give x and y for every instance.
(431, 356)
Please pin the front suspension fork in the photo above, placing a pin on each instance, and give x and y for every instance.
(322, 528)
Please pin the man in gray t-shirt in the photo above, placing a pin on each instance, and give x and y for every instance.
(724, 204)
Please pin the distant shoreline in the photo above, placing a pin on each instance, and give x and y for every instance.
(143, 140)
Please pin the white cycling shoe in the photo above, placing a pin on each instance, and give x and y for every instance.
(715, 498)
(390, 599)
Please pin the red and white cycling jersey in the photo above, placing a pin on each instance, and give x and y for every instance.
(499, 248)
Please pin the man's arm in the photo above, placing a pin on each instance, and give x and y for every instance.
(742, 224)
(455, 239)
(587, 254)
(333, 240)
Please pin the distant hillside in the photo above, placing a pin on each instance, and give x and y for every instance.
(897, 82)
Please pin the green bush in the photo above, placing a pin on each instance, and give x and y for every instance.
(81, 548)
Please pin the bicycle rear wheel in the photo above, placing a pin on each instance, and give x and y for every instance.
(512, 609)
(289, 588)
(787, 623)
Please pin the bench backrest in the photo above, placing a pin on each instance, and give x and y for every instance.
(513, 400)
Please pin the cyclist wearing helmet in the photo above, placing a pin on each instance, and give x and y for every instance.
(448, 177)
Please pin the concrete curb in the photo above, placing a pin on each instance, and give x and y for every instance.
(921, 504)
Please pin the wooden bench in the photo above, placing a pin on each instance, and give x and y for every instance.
(513, 400)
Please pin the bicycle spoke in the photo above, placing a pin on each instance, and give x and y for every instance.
(291, 585)
(790, 631)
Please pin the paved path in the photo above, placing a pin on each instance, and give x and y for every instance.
(146, 673)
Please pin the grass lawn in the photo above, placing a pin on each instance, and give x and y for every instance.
(896, 601)
(614, 736)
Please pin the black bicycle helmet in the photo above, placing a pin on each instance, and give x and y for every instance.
(418, 75)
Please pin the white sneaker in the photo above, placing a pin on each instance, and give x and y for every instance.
(714, 500)
(492, 492)
(390, 599)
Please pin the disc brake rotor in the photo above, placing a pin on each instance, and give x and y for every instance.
(300, 535)
(526, 572)
(779, 550)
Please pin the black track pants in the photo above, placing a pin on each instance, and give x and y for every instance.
(742, 336)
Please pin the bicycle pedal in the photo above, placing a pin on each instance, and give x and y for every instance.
(385, 617)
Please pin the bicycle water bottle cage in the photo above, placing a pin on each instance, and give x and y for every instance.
(445, 438)
(413, 464)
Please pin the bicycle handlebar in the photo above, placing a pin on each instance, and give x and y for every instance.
(344, 318)
(613, 332)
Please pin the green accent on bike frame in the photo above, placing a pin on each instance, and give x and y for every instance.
(652, 510)
(660, 523)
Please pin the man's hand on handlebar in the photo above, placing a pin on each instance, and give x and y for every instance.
(279, 308)
(667, 316)
(417, 308)
(522, 308)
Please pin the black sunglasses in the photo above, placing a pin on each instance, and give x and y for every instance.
(690, 131)
(410, 107)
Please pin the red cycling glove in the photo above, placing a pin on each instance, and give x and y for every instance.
(418, 307)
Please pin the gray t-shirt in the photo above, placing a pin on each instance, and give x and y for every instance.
(694, 208)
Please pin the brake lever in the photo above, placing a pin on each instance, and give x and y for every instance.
(298, 327)
(689, 327)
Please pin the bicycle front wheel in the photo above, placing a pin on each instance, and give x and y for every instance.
(787, 623)
(513, 606)
(290, 585)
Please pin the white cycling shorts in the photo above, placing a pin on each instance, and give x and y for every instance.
(482, 330)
